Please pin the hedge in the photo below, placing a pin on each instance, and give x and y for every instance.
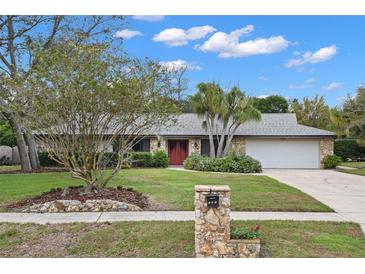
(45, 160)
(236, 164)
(348, 149)
(138, 159)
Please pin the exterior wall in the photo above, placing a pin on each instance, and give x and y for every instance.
(238, 145)
(325, 148)
(154, 144)
(194, 146)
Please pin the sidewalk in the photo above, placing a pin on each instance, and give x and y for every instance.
(98, 217)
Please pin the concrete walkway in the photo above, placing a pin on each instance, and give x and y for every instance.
(343, 192)
(97, 217)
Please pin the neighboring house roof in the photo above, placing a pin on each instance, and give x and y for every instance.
(271, 124)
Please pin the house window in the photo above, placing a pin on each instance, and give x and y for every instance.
(142, 145)
(205, 146)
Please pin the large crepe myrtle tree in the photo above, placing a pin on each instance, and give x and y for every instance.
(223, 113)
(85, 100)
(17, 36)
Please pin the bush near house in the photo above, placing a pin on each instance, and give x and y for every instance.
(138, 159)
(331, 161)
(141, 159)
(160, 159)
(348, 149)
(5, 161)
(46, 161)
(232, 163)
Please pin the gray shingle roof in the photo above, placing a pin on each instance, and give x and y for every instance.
(276, 124)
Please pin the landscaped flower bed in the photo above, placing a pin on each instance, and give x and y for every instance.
(232, 163)
(245, 241)
(73, 199)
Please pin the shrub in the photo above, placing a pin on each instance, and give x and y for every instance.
(348, 149)
(46, 161)
(246, 233)
(331, 161)
(160, 159)
(110, 159)
(141, 159)
(5, 161)
(236, 164)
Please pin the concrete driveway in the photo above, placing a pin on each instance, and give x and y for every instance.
(344, 193)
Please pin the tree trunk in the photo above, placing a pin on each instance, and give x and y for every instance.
(220, 145)
(226, 147)
(22, 147)
(32, 149)
(211, 146)
(211, 141)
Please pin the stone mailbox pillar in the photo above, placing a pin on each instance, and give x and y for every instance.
(212, 226)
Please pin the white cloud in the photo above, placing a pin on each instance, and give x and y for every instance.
(306, 84)
(179, 64)
(263, 96)
(227, 44)
(321, 55)
(310, 80)
(174, 37)
(262, 78)
(127, 34)
(299, 86)
(332, 86)
(149, 18)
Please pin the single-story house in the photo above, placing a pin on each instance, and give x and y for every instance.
(277, 141)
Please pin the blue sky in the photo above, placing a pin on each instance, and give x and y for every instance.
(294, 56)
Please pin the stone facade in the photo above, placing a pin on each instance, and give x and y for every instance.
(76, 206)
(194, 146)
(326, 148)
(212, 227)
(238, 145)
(154, 144)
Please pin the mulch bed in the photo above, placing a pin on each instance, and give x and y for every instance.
(127, 195)
(41, 170)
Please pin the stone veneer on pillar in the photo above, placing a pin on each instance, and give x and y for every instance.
(212, 227)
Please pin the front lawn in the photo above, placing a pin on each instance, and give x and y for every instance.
(353, 164)
(360, 168)
(174, 239)
(360, 172)
(9, 168)
(175, 189)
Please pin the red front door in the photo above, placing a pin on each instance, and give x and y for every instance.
(178, 151)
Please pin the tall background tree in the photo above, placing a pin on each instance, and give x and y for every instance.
(17, 36)
(223, 113)
(313, 112)
(85, 100)
(272, 104)
(354, 110)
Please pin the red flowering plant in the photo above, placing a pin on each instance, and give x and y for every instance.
(248, 233)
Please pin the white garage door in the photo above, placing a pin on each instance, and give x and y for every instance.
(284, 153)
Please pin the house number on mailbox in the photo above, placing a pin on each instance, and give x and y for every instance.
(212, 201)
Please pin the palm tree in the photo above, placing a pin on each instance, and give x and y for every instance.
(236, 110)
(223, 113)
(207, 103)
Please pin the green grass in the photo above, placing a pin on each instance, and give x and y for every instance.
(9, 168)
(175, 189)
(353, 164)
(174, 239)
(360, 172)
